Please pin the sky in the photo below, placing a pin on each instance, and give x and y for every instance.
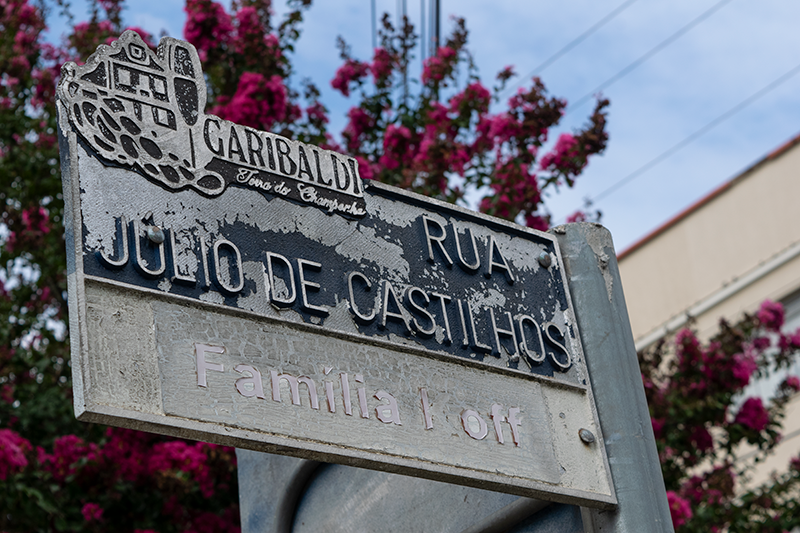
(737, 50)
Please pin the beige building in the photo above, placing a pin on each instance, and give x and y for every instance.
(724, 255)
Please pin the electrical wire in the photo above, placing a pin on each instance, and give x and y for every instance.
(675, 148)
(647, 55)
(569, 46)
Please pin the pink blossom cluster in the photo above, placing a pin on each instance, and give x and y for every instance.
(563, 155)
(358, 124)
(13, 453)
(436, 67)
(208, 26)
(24, 22)
(771, 315)
(679, 508)
(396, 145)
(180, 456)
(259, 102)
(577, 216)
(753, 415)
(35, 223)
(351, 72)
(382, 65)
(92, 512)
(316, 112)
(475, 97)
(68, 451)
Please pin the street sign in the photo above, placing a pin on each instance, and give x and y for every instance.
(232, 285)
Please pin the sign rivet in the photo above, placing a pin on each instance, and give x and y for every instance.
(545, 260)
(155, 234)
(586, 435)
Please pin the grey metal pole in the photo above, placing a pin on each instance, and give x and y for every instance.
(599, 303)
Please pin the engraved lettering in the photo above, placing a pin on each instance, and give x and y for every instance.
(387, 413)
(305, 168)
(122, 241)
(493, 251)
(304, 284)
(348, 406)
(234, 146)
(177, 277)
(359, 316)
(497, 418)
(563, 367)
(420, 310)
(254, 381)
(427, 222)
(443, 299)
(362, 397)
(505, 333)
(202, 365)
(226, 285)
(291, 293)
(531, 356)
(474, 424)
(284, 157)
(426, 408)
(254, 152)
(514, 422)
(220, 149)
(294, 387)
(467, 267)
(400, 315)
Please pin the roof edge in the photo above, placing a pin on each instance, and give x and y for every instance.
(708, 197)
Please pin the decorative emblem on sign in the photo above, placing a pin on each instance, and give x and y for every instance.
(145, 111)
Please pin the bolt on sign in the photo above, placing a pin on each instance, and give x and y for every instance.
(232, 285)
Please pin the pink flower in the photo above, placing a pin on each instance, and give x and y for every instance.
(793, 382)
(435, 68)
(316, 113)
(258, 102)
(92, 512)
(68, 451)
(365, 169)
(351, 72)
(36, 219)
(743, 367)
(753, 415)
(536, 222)
(382, 64)
(395, 142)
(180, 456)
(679, 509)
(561, 154)
(360, 121)
(13, 449)
(475, 96)
(658, 426)
(771, 315)
(702, 439)
(577, 216)
(208, 26)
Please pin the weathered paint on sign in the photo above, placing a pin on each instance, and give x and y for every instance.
(213, 296)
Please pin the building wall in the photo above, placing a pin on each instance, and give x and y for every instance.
(720, 240)
(723, 256)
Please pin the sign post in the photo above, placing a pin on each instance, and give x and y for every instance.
(235, 286)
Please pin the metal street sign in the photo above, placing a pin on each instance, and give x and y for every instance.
(235, 286)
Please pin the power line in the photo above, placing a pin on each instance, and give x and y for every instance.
(570, 45)
(647, 55)
(669, 152)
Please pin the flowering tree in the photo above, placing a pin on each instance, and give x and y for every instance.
(442, 140)
(701, 425)
(59, 474)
